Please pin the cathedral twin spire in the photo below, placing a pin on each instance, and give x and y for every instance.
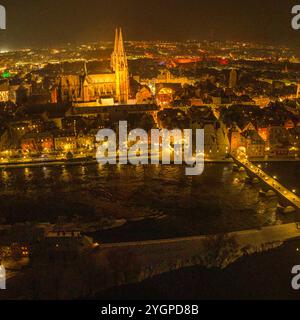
(119, 51)
(120, 66)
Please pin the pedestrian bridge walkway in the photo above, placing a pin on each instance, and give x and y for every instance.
(286, 197)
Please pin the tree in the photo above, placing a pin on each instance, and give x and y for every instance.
(69, 155)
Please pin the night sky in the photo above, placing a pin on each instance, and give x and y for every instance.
(38, 23)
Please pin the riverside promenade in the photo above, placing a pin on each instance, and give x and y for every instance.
(260, 236)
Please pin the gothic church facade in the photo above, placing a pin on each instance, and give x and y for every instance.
(98, 87)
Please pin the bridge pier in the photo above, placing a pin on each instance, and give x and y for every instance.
(267, 192)
(265, 187)
(286, 209)
(284, 203)
(251, 180)
(288, 201)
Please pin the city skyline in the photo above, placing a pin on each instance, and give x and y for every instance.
(153, 20)
(137, 164)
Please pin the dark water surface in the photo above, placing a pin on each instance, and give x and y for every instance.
(217, 201)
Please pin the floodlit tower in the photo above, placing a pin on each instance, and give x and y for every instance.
(119, 65)
(114, 54)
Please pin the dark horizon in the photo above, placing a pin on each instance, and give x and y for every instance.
(46, 24)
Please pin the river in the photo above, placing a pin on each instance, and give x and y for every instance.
(215, 202)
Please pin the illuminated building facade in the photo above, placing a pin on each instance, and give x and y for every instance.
(4, 92)
(233, 77)
(106, 88)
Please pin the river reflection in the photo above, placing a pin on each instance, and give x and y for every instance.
(217, 201)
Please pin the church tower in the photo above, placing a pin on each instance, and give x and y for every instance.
(120, 67)
(114, 54)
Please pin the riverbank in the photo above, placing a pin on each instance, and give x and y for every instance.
(215, 264)
(109, 265)
(85, 161)
(262, 276)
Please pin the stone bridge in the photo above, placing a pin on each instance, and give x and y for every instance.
(286, 197)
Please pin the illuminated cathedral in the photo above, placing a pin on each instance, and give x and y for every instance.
(100, 89)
